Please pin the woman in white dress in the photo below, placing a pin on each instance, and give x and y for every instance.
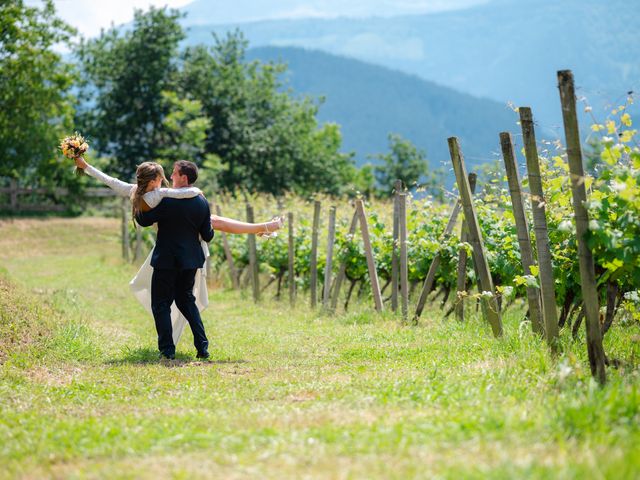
(145, 195)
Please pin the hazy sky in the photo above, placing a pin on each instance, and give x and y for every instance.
(89, 16)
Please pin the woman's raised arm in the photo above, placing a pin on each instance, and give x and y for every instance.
(121, 188)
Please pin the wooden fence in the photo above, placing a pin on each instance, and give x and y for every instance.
(14, 191)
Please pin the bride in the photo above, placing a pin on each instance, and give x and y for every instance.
(147, 194)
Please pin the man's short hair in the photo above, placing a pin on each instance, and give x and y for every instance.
(189, 169)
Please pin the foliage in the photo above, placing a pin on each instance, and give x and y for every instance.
(266, 139)
(183, 130)
(614, 203)
(36, 104)
(407, 163)
(125, 80)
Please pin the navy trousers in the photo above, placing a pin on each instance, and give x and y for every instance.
(167, 286)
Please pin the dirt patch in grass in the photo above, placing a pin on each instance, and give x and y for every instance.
(54, 376)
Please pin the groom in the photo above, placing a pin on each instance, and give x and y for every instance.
(176, 258)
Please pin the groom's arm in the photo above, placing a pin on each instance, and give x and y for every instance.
(206, 231)
(146, 219)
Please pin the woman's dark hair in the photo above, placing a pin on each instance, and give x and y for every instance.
(189, 169)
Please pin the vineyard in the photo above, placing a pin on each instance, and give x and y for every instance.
(612, 181)
(460, 301)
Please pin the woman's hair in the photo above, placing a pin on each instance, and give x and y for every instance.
(145, 173)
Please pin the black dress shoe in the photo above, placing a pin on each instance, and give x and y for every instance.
(167, 356)
(204, 355)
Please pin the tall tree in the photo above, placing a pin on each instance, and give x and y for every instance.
(407, 163)
(266, 139)
(125, 77)
(36, 107)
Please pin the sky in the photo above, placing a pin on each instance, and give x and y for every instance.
(89, 16)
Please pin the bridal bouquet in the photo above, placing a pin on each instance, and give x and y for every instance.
(74, 146)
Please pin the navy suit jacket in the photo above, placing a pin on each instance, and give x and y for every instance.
(180, 224)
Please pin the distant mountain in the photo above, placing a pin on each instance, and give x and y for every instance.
(506, 50)
(206, 12)
(369, 102)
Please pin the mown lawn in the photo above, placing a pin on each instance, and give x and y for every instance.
(288, 393)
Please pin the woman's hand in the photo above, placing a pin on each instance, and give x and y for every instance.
(271, 227)
(80, 162)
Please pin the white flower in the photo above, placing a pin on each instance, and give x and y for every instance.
(565, 226)
(633, 296)
(618, 186)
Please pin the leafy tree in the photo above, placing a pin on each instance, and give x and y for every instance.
(404, 162)
(126, 74)
(266, 139)
(364, 181)
(36, 106)
(184, 129)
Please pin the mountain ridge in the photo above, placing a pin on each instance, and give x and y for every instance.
(502, 50)
(370, 102)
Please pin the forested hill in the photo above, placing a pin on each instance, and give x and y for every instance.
(506, 50)
(369, 102)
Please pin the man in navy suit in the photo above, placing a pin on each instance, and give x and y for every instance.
(176, 258)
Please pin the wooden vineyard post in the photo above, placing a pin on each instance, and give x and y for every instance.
(313, 261)
(579, 193)
(522, 229)
(461, 283)
(253, 258)
(475, 238)
(547, 288)
(435, 263)
(227, 253)
(404, 268)
(371, 264)
(331, 237)
(343, 266)
(292, 253)
(394, 253)
(125, 229)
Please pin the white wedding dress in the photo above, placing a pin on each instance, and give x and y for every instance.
(141, 284)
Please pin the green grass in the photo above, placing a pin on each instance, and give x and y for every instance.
(288, 393)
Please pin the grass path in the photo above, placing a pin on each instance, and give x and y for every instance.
(288, 394)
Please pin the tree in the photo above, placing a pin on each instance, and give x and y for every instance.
(182, 137)
(407, 163)
(266, 139)
(363, 181)
(126, 75)
(36, 107)
(184, 129)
